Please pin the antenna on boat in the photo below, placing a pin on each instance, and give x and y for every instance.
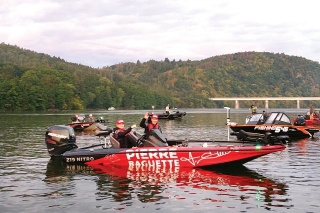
(228, 120)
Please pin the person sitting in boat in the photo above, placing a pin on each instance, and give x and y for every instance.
(311, 112)
(91, 118)
(168, 109)
(149, 122)
(253, 109)
(265, 115)
(75, 119)
(123, 135)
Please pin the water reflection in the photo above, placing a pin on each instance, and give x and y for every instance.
(119, 184)
(214, 179)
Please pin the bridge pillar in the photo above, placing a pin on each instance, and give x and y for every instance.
(267, 104)
(298, 104)
(236, 104)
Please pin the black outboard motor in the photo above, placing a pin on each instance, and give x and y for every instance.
(300, 121)
(155, 139)
(59, 139)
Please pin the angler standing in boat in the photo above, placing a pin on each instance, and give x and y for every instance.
(122, 135)
(149, 122)
(253, 109)
(311, 111)
(168, 109)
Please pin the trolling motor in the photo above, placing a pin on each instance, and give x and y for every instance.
(59, 139)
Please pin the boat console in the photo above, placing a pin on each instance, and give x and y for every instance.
(155, 139)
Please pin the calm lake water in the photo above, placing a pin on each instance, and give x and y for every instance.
(280, 182)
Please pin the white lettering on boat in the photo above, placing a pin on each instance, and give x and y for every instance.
(276, 129)
(152, 159)
(57, 135)
(79, 159)
(152, 154)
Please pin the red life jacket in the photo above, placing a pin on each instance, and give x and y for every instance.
(151, 126)
(117, 131)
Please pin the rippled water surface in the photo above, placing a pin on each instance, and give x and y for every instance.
(30, 182)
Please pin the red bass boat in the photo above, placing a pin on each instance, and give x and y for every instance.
(155, 151)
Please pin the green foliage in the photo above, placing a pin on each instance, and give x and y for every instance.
(31, 81)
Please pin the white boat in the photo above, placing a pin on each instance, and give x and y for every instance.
(111, 108)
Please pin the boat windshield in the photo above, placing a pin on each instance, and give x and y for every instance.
(255, 118)
(278, 118)
(158, 134)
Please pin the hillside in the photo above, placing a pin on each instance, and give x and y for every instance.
(247, 74)
(140, 85)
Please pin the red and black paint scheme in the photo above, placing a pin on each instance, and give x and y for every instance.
(155, 151)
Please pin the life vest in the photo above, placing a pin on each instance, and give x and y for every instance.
(116, 133)
(151, 126)
(120, 130)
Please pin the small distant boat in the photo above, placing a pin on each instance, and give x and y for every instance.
(87, 126)
(172, 115)
(111, 108)
(82, 125)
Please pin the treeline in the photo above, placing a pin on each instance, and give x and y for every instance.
(31, 81)
(36, 82)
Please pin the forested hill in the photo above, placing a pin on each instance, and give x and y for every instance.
(37, 81)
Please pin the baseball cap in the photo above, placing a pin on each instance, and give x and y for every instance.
(154, 116)
(120, 122)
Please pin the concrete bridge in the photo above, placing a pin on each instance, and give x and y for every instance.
(267, 99)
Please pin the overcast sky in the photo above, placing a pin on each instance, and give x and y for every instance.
(101, 33)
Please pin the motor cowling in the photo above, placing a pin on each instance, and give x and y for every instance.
(59, 139)
(300, 121)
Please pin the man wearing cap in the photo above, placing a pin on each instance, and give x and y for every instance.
(91, 118)
(75, 119)
(123, 135)
(150, 124)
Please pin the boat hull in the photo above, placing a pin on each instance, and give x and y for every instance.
(172, 116)
(293, 132)
(189, 157)
(87, 126)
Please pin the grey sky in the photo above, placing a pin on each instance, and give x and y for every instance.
(101, 33)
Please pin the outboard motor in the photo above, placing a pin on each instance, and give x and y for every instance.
(300, 121)
(59, 139)
(155, 139)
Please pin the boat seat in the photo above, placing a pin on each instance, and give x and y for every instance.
(114, 142)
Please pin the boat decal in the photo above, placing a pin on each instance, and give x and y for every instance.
(57, 135)
(79, 159)
(276, 129)
(208, 155)
(153, 158)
